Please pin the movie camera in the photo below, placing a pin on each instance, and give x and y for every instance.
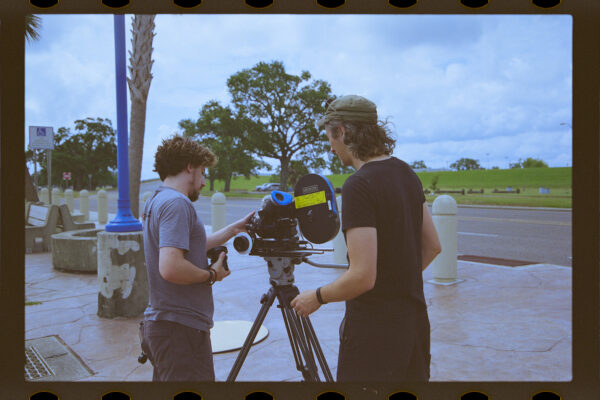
(274, 230)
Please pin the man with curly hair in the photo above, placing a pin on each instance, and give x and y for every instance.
(391, 239)
(177, 322)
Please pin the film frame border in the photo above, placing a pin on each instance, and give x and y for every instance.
(586, 107)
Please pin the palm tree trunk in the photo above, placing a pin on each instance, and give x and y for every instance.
(140, 66)
(136, 152)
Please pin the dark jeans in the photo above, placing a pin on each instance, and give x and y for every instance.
(384, 349)
(177, 352)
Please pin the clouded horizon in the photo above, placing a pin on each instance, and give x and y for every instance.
(490, 87)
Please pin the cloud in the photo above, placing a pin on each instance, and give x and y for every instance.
(451, 85)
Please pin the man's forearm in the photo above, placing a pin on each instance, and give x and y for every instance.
(219, 238)
(348, 286)
(183, 272)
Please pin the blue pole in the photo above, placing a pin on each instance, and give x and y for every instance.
(124, 221)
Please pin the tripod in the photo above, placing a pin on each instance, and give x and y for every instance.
(301, 334)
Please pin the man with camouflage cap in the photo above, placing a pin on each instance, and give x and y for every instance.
(391, 239)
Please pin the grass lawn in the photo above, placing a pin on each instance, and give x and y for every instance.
(527, 180)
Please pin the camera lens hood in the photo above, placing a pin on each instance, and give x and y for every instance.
(242, 243)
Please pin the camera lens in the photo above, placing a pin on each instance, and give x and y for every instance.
(242, 243)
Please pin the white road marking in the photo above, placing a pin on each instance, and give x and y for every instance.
(477, 234)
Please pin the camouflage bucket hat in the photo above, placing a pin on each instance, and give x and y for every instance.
(350, 108)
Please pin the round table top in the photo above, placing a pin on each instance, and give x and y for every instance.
(230, 335)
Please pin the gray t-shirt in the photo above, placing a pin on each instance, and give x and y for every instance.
(170, 220)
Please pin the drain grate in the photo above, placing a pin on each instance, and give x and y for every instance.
(35, 366)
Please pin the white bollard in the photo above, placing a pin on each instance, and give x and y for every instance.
(102, 207)
(339, 243)
(145, 196)
(69, 200)
(55, 198)
(84, 204)
(218, 208)
(44, 197)
(444, 266)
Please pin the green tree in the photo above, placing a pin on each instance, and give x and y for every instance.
(90, 151)
(33, 24)
(465, 164)
(283, 109)
(515, 165)
(140, 76)
(223, 132)
(336, 167)
(533, 163)
(418, 164)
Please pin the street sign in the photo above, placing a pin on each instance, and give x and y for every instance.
(41, 137)
(67, 176)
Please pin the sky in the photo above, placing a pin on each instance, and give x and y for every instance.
(495, 88)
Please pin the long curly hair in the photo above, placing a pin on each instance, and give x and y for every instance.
(365, 140)
(175, 153)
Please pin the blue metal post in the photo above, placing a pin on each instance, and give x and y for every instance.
(124, 220)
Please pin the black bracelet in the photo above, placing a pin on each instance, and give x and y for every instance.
(213, 276)
(319, 298)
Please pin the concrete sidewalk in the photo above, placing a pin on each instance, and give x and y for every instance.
(499, 324)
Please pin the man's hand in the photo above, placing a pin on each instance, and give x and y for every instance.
(240, 225)
(306, 303)
(219, 268)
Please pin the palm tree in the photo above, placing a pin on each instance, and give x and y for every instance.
(140, 67)
(33, 23)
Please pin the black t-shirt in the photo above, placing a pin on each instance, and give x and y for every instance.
(388, 195)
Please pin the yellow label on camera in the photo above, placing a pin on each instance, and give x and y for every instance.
(311, 199)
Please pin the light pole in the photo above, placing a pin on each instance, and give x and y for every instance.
(124, 220)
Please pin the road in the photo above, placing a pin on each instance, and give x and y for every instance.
(526, 234)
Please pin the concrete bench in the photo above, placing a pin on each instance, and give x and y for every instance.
(76, 251)
(40, 223)
(68, 223)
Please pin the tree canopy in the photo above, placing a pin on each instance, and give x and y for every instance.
(529, 162)
(420, 164)
(223, 132)
(465, 164)
(90, 150)
(281, 110)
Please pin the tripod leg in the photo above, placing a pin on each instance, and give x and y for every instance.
(312, 373)
(267, 301)
(302, 337)
(300, 347)
(312, 337)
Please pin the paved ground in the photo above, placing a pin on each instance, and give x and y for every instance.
(499, 324)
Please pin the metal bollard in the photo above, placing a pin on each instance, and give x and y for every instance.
(69, 200)
(339, 243)
(44, 197)
(444, 266)
(218, 208)
(55, 198)
(145, 196)
(102, 207)
(84, 204)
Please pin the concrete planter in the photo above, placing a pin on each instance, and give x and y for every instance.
(75, 251)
